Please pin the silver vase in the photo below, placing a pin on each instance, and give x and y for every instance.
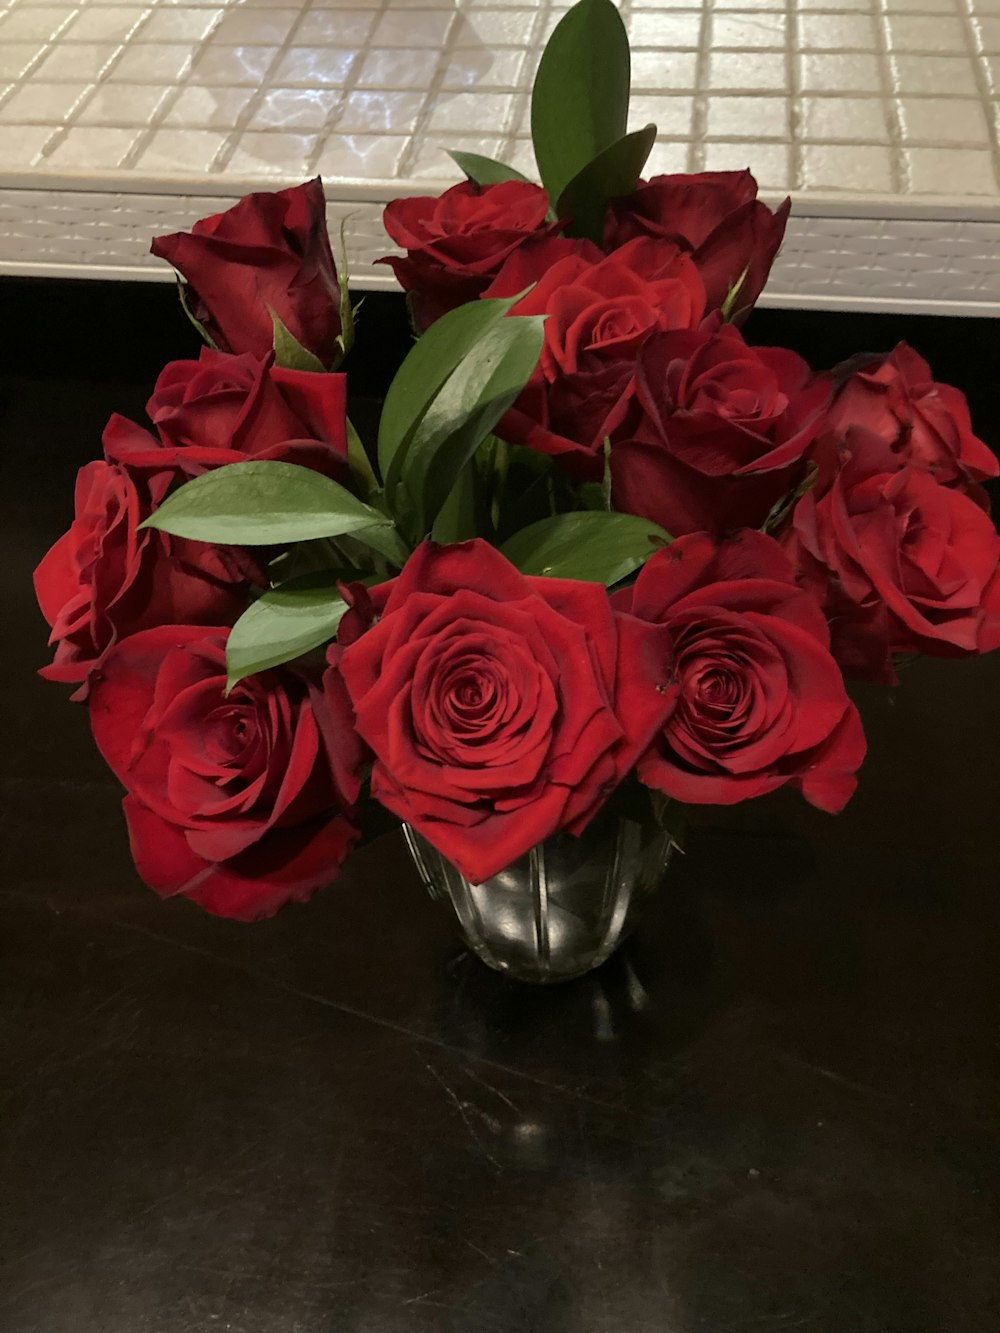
(560, 910)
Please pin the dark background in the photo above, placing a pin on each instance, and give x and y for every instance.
(777, 1109)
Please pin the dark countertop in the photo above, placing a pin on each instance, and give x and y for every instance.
(776, 1110)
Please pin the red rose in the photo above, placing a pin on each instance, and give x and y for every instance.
(761, 701)
(715, 215)
(599, 315)
(900, 563)
(456, 242)
(924, 423)
(272, 250)
(500, 708)
(717, 430)
(105, 579)
(227, 409)
(241, 802)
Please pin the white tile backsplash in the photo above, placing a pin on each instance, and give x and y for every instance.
(850, 97)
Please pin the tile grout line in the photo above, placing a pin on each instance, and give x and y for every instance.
(335, 115)
(699, 106)
(97, 83)
(984, 81)
(416, 139)
(898, 162)
(232, 140)
(793, 52)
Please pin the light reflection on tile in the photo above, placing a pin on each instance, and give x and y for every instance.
(378, 113)
(174, 151)
(854, 96)
(295, 108)
(371, 156)
(285, 155)
(208, 108)
(314, 65)
(235, 65)
(180, 25)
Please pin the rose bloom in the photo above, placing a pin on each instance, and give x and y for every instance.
(457, 242)
(761, 702)
(105, 579)
(598, 316)
(228, 409)
(901, 563)
(714, 215)
(500, 708)
(716, 430)
(271, 250)
(241, 802)
(926, 424)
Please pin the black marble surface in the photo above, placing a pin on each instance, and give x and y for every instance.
(776, 1110)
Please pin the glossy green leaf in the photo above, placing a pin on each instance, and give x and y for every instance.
(289, 352)
(589, 545)
(429, 363)
(470, 403)
(385, 538)
(458, 518)
(283, 624)
(485, 170)
(612, 173)
(579, 103)
(263, 503)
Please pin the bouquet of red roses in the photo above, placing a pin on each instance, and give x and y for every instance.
(602, 549)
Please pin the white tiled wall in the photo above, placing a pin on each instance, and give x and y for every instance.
(890, 104)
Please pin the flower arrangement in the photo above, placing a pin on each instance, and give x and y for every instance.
(602, 550)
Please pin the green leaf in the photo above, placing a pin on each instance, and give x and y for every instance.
(428, 364)
(463, 413)
(362, 472)
(781, 511)
(579, 103)
(385, 539)
(283, 624)
(589, 545)
(203, 333)
(485, 170)
(348, 313)
(263, 503)
(729, 310)
(612, 173)
(457, 519)
(289, 352)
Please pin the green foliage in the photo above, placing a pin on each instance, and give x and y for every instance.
(579, 103)
(289, 352)
(433, 358)
(460, 417)
(265, 503)
(284, 623)
(590, 545)
(485, 170)
(612, 173)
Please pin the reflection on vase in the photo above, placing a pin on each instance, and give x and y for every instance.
(560, 910)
